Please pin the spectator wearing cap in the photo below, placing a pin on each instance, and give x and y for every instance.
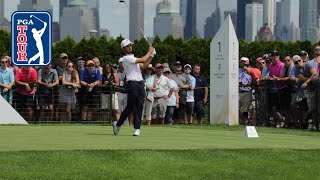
(190, 94)
(151, 86)
(295, 114)
(307, 76)
(80, 64)
(47, 80)
(90, 79)
(6, 80)
(135, 85)
(243, 61)
(255, 74)
(164, 90)
(304, 56)
(97, 65)
(110, 80)
(67, 93)
(245, 94)
(276, 69)
(25, 79)
(61, 67)
(184, 84)
(173, 101)
(200, 93)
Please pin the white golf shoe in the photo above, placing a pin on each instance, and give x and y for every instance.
(136, 132)
(116, 129)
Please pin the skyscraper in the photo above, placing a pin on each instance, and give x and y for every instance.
(77, 20)
(233, 15)
(1, 9)
(254, 18)
(269, 13)
(95, 6)
(63, 4)
(35, 5)
(136, 19)
(287, 20)
(205, 8)
(213, 23)
(241, 16)
(168, 21)
(190, 26)
(163, 4)
(309, 22)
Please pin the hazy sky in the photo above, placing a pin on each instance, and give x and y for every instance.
(114, 15)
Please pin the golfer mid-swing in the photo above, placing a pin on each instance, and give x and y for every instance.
(135, 85)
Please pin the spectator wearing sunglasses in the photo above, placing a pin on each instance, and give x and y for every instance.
(6, 80)
(80, 64)
(47, 80)
(90, 79)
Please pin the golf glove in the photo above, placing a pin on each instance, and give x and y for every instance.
(153, 53)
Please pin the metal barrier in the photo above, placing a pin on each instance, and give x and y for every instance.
(296, 117)
(43, 112)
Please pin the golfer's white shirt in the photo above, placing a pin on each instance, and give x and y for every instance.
(131, 68)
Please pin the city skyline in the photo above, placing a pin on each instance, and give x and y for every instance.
(115, 16)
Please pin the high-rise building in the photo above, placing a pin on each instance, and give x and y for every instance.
(168, 21)
(1, 9)
(63, 4)
(136, 19)
(233, 15)
(293, 33)
(265, 34)
(163, 4)
(254, 19)
(55, 32)
(309, 21)
(190, 26)
(213, 23)
(288, 18)
(95, 6)
(269, 13)
(105, 32)
(77, 20)
(241, 16)
(35, 5)
(205, 8)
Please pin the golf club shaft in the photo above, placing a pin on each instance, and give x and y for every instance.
(145, 37)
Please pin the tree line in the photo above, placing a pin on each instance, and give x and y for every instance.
(193, 51)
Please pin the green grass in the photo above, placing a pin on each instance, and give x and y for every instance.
(178, 152)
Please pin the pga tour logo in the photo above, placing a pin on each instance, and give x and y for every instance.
(31, 38)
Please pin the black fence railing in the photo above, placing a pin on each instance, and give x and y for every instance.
(297, 115)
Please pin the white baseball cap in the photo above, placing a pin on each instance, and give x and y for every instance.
(244, 59)
(120, 60)
(125, 43)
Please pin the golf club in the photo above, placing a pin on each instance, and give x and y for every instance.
(36, 18)
(122, 1)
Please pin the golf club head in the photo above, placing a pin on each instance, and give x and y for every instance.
(31, 16)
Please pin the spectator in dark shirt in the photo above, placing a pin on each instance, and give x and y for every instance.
(200, 93)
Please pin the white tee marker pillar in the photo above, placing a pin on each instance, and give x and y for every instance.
(224, 72)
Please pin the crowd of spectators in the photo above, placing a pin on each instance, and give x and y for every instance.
(280, 93)
(77, 90)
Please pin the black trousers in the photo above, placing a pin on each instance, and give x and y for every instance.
(136, 96)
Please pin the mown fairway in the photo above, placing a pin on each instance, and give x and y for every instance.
(177, 152)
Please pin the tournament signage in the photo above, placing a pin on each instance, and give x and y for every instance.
(31, 38)
(224, 62)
